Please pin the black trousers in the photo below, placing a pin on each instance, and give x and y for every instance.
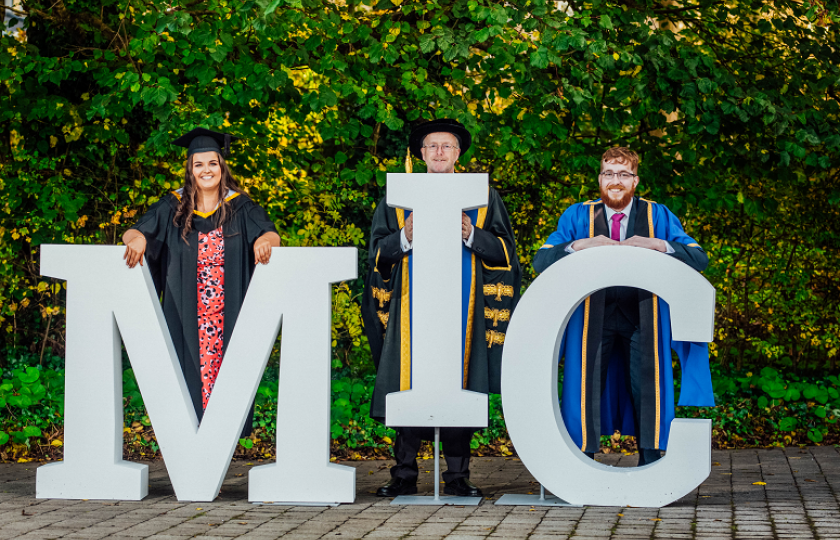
(456, 448)
(620, 331)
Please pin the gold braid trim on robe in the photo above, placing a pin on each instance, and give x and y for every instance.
(498, 290)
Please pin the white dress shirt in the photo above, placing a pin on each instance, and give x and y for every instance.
(622, 225)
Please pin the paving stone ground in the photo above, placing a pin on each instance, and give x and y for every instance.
(800, 499)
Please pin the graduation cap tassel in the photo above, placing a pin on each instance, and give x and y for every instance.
(408, 162)
(227, 145)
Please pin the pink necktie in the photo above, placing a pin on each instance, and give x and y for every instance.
(615, 234)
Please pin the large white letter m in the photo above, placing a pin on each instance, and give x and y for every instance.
(106, 301)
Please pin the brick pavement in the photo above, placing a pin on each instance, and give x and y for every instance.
(800, 500)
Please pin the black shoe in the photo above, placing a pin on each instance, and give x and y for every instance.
(396, 487)
(462, 487)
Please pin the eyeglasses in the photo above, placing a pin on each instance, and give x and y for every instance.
(444, 147)
(609, 175)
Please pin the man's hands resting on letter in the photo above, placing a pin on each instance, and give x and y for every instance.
(466, 227)
(635, 241)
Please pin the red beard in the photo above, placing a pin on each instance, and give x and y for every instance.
(620, 203)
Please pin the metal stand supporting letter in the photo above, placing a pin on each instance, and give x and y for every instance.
(437, 464)
(437, 500)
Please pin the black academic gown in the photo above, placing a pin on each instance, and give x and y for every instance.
(493, 295)
(173, 264)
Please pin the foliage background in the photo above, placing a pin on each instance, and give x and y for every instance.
(733, 106)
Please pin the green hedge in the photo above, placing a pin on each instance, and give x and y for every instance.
(754, 410)
(733, 107)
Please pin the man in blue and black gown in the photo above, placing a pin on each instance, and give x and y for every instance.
(627, 381)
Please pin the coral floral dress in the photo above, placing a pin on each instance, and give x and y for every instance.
(211, 308)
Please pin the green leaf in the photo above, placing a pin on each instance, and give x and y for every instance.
(22, 401)
(31, 375)
(270, 7)
(539, 58)
(788, 424)
(427, 43)
(218, 53)
(775, 389)
(815, 435)
(480, 36)
(32, 431)
(792, 395)
(4, 438)
(705, 86)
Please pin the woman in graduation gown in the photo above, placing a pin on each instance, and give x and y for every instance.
(202, 243)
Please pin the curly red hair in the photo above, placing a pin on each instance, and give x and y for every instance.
(622, 155)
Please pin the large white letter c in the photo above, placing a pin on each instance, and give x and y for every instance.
(529, 378)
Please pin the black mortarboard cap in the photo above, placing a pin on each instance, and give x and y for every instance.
(415, 140)
(205, 140)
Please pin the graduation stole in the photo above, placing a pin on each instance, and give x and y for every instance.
(592, 363)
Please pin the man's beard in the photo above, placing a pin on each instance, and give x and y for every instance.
(617, 204)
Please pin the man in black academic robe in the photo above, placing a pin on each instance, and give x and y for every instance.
(491, 281)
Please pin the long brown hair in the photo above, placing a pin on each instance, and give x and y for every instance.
(184, 215)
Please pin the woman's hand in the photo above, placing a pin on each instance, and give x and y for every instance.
(135, 247)
(263, 245)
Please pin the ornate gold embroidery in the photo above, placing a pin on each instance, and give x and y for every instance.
(499, 289)
(494, 338)
(382, 295)
(383, 317)
(497, 315)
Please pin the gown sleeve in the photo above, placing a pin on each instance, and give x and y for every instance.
(156, 225)
(686, 248)
(554, 248)
(384, 253)
(385, 250)
(257, 222)
(495, 243)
